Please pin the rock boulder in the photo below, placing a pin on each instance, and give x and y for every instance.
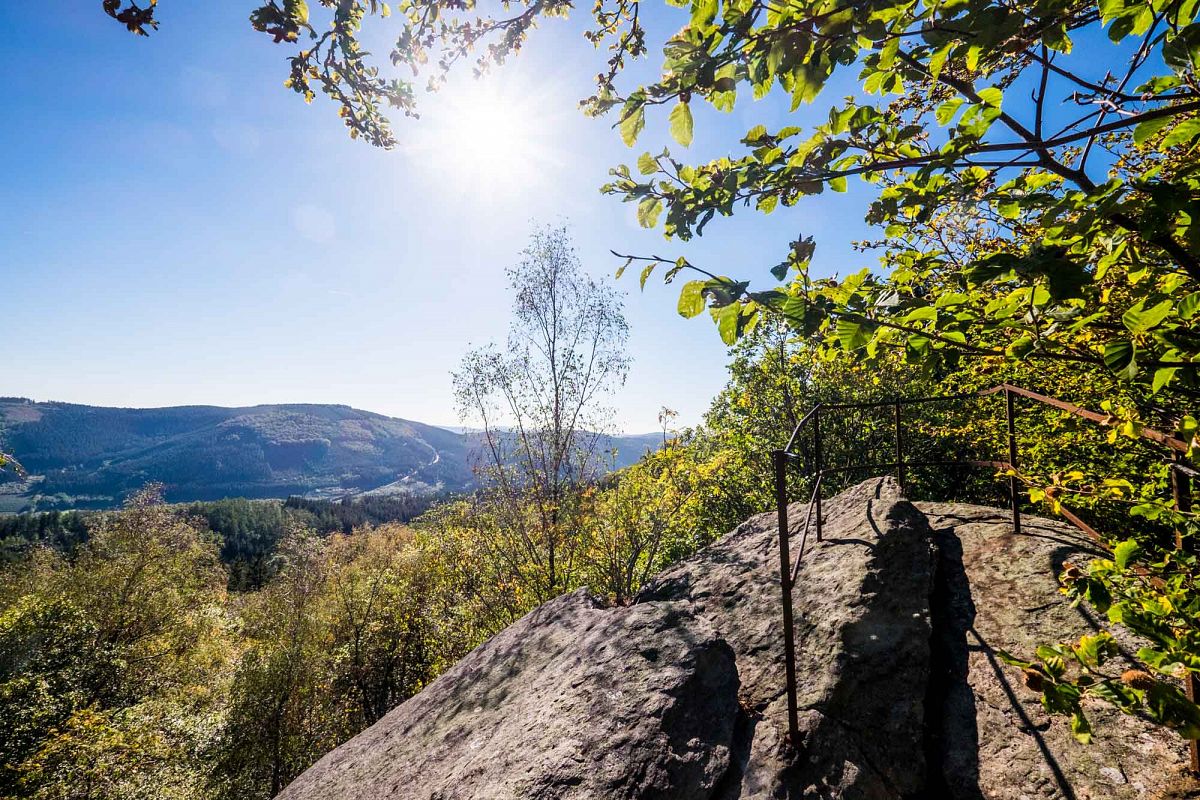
(681, 694)
(899, 615)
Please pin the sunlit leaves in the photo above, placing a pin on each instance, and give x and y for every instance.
(633, 120)
(691, 299)
(1183, 133)
(728, 319)
(1145, 131)
(946, 111)
(297, 11)
(1139, 319)
(1124, 552)
(646, 271)
(1052, 245)
(681, 124)
(851, 333)
(648, 212)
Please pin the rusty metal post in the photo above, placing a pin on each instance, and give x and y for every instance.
(1181, 489)
(819, 457)
(899, 451)
(1013, 483)
(780, 459)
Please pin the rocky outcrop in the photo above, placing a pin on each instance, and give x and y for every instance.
(862, 631)
(572, 701)
(993, 738)
(681, 694)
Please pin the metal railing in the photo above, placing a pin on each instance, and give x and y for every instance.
(1182, 476)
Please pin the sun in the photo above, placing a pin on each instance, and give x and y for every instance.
(488, 137)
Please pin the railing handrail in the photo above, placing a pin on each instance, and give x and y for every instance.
(1181, 474)
(812, 412)
(1178, 445)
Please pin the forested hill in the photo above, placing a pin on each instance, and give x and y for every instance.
(89, 456)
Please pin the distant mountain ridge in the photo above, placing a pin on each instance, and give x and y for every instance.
(92, 456)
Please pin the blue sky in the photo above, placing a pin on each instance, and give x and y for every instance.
(180, 229)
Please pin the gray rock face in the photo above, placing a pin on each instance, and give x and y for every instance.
(681, 695)
(574, 700)
(899, 613)
(1000, 592)
(862, 632)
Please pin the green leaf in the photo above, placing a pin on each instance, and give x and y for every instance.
(991, 96)
(1081, 729)
(850, 334)
(948, 299)
(648, 211)
(1020, 348)
(946, 111)
(1092, 650)
(922, 314)
(703, 13)
(937, 59)
(1056, 38)
(754, 134)
(1182, 51)
(838, 184)
(1189, 305)
(795, 311)
(646, 274)
(1009, 658)
(297, 10)
(681, 124)
(1162, 377)
(727, 322)
(1009, 209)
(1125, 551)
(632, 124)
(646, 164)
(1144, 131)
(1182, 133)
(972, 59)
(1121, 358)
(1139, 320)
(691, 299)
(767, 203)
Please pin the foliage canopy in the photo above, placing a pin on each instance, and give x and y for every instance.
(1082, 242)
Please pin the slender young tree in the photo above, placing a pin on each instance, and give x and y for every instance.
(539, 404)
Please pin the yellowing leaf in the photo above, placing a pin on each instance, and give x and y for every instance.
(632, 124)
(648, 211)
(691, 299)
(681, 124)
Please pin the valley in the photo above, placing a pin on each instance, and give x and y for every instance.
(81, 456)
